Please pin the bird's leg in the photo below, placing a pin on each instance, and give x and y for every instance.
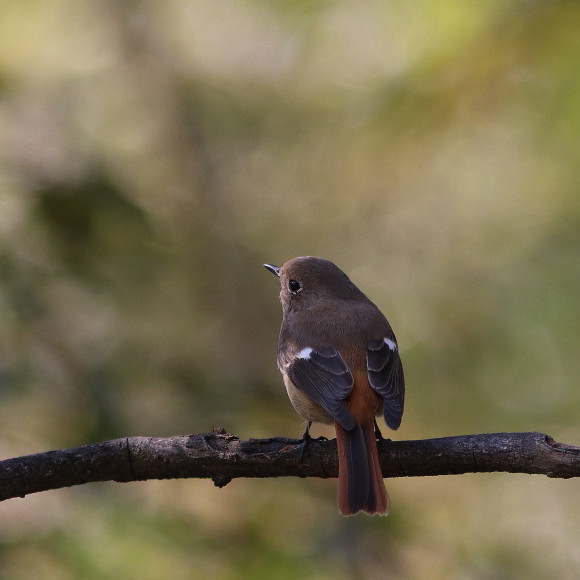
(378, 434)
(307, 437)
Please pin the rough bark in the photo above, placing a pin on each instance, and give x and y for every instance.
(223, 457)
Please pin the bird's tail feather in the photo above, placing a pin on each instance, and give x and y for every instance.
(360, 481)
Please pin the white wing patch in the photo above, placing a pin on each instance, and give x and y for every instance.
(304, 353)
(390, 343)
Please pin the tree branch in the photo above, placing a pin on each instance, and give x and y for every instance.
(223, 457)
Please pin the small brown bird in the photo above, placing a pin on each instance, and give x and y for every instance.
(340, 362)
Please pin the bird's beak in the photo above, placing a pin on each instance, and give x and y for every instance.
(274, 269)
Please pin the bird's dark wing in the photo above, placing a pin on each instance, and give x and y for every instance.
(385, 373)
(322, 375)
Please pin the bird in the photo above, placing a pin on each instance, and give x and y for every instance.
(340, 364)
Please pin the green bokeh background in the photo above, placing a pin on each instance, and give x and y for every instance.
(154, 154)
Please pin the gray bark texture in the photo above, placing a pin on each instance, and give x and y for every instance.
(222, 457)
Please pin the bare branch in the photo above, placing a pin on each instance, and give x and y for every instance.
(223, 457)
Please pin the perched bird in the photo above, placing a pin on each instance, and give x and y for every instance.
(340, 363)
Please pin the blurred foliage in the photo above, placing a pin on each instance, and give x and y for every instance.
(154, 154)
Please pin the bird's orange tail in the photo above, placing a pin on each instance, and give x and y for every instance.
(360, 481)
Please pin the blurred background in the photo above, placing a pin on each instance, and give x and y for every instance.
(154, 154)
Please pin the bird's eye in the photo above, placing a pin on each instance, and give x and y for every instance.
(294, 286)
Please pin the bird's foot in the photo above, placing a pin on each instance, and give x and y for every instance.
(307, 437)
(378, 435)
